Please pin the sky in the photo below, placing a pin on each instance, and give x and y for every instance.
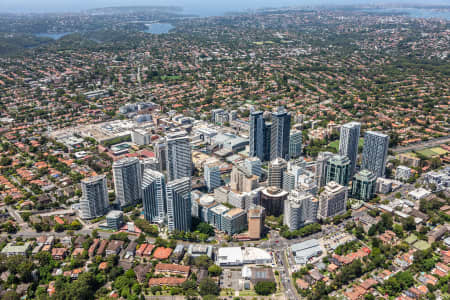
(200, 7)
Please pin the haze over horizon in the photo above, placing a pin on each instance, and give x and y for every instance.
(200, 7)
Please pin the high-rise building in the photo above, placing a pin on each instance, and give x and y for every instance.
(300, 208)
(375, 152)
(348, 143)
(94, 200)
(242, 180)
(257, 127)
(272, 199)
(127, 181)
(178, 193)
(290, 177)
(277, 167)
(234, 221)
(178, 157)
(338, 169)
(154, 195)
(151, 163)
(280, 132)
(267, 140)
(212, 176)
(253, 165)
(255, 218)
(161, 154)
(321, 168)
(364, 185)
(306, 183)
(333, 200)
(295, 144)
(215, 115)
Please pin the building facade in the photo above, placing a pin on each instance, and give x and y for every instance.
(375, 152)
(300, 208)
(154, 195)
(348, 143)
(338, 169)
(280, 133)
(178, 157)
(277, 167)
(333, 200)
(178, 193)
(127, 181)
(94, 201)
(211, 174)
(364, 185)
(295, 144)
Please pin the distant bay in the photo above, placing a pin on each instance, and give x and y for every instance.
(52, 35)
(158, 28)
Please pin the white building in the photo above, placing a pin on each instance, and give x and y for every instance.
(403, 173)
(94, 201)
(237, 256)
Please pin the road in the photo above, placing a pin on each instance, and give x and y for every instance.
(422, 145)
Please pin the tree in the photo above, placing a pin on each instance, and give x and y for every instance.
(214, 270)
(208, 286)
(155, 289)
(265, 288)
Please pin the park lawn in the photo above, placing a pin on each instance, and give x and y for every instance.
(428, 153)
(335, 144)
(439, 150)
(421, 245)
(248, 293)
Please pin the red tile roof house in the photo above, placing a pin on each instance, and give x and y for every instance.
(102, 247)
(59, 253)
(162, 253)
(93, 247)
(172, 269)
(170, 281)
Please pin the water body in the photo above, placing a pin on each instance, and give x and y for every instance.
(55, 36)
(415, 12)
(158, 28)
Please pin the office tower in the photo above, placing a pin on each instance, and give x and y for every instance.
(253, 165)
(257, 127)
(212, 176)
(232, 115)
(348, 143)
(333, 200)
(215, 113)
(295, 144)
(141, 136)
(267, 140)
(306, 183)
(234, 221)
(154, 195)
(161, 154)
(277, 167)
(242, 180)
(94, 200)
(272, 199)
(290, 177)
(375, 152)
(364, 185)
(338, 169)
(280, 131)
(178, 157)
(178, 193)
(255, 219)
(127, 181)
(151, 163)
(321, 167)
(300, 208)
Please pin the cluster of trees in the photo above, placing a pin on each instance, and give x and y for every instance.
(265, 288)
(302, 232)
(146, 227)
(397, 283)
(74, 225)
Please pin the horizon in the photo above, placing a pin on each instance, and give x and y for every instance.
(199, 7)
